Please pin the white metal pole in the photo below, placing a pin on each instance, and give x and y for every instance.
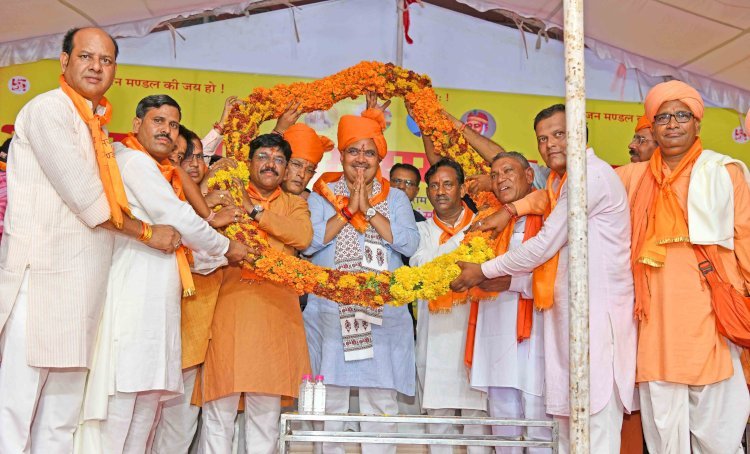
(578, 288)
(399, 33)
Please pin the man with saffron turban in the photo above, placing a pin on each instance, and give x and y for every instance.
(611, 324)
(137, 361)
(307, 151)
(361, 225)
(643, 144)
(685, 200)
(63, 182)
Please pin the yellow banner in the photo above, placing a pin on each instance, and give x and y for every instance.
(505, 117)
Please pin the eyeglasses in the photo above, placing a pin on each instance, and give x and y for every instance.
(264, 157)
(298, 167)
(640, 140)
(193, 157)
(407, 183)
(354, 153)
(680, 117)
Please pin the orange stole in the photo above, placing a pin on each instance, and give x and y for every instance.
(170, 174)
(109, 173)
(525, 306)
(658, 220)
(339, 201)
(444, 303)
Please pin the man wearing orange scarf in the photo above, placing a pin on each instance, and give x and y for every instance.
(692, 389)
(137, 361)
(441, 325)
(508, 356)
(643, 144)
(307, 151)
(257, 346)
(63, 183)
(612, 328)
(360, 224)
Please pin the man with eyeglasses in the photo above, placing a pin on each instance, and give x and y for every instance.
(179, 419)
(307, 151)
(360, 224)
(407, 178)
(643, 144)
(257, 344)
(684, 200)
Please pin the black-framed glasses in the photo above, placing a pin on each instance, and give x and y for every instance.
(680, 117)
(640, 140)
(407, 183)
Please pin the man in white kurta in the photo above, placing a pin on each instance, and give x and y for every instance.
(441, 331)
(138, 358)
(510, 367)
(55, 255)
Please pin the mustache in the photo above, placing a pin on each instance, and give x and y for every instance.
(162, 135)
(269, 169)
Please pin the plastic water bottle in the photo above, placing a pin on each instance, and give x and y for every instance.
(306, 395)
(319, 400)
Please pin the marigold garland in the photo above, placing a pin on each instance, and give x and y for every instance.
(404, 285)
(385, 79)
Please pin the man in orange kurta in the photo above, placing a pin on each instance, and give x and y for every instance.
(692, 388)
(257, 344)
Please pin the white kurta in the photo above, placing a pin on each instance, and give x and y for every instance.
(441, 338)
(139, 340)
(499, 359)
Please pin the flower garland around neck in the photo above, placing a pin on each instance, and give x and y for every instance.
(402, 286)
(385, 79)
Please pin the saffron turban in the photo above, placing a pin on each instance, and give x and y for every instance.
(370, 125)
(674, 90)
(643, 123)
(306, 143)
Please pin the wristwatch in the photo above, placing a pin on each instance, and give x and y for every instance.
(370, 213)
(257, 209)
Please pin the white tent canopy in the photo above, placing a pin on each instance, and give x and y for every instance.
(704, 42)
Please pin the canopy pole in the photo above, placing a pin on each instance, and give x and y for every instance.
(578, 285)
(399, 33)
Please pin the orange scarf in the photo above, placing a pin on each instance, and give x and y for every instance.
(170, 174)
(109, 173)
(3, 166)
(658, 220)
(524, 315)
(444, 303)
(544, 276)
(358, 220)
